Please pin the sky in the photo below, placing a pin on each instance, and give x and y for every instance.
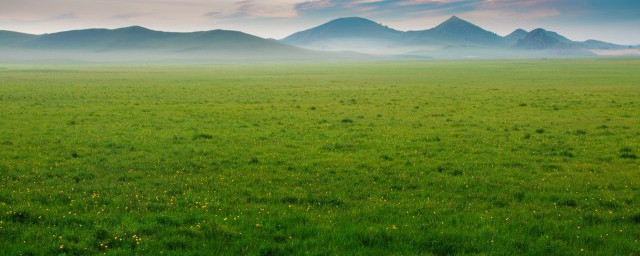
(616, 21)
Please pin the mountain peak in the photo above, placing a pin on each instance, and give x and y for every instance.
(538, 31)
(456, 24)
(540, 39)
(455, 20)
(133, 28)
(516, 35)
(343, 29)
(351, 21)
(459, 32)
(354, 18)
(357, 24)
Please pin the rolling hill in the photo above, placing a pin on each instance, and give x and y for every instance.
(515, 36)
(344, 28)
(543, 40)
(139, 44)
(142, 39)
(456, 32)
(540, 39)
(10, 38)
(600, 45)
(347, 34)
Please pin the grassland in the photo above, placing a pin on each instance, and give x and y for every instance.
(532, 157)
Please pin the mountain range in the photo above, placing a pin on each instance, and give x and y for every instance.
(453, 36)
(343, 38)
(140, 44)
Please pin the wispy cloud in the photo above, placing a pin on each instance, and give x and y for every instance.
(127, 16)
(315, 5)
(423, 2)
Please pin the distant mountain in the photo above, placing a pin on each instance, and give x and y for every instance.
(456, 31)
(363, 35)
(600, 45)
(540, 39)
(10, 38)
(559, 37)
(142, 39)
(346, 34)
(516, 36)
(138, 43)
(99, 39)
(344, 38)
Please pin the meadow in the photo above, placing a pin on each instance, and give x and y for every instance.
(513, 157)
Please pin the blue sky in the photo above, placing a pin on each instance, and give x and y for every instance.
(611, 20)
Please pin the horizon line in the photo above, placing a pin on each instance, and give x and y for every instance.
(326, 22)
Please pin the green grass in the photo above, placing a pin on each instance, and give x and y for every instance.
(477, 157)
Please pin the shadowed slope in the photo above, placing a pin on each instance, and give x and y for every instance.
(10, 38)
(540, 39)
(516, 36)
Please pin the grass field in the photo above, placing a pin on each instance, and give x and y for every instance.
(532, 157)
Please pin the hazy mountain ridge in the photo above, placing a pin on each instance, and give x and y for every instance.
(456, 31)
(453, 35)
(596, 44)
(143, 39)
(345, 28)
(454, 38)
(515, 36)
(10, 38)
(142, 44)
(540, 39)
(350, 34)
